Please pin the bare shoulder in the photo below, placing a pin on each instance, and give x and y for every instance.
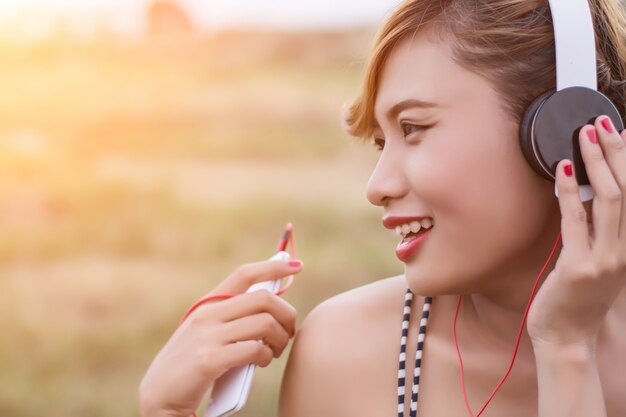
(363, 302)
(331, 343)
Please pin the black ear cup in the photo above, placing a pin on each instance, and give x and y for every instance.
(550, 127)
(526, 137)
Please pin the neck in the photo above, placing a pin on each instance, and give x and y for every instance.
(496, 315)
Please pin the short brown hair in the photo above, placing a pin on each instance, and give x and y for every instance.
(508, 42)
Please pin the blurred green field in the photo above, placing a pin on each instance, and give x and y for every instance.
(134, 176)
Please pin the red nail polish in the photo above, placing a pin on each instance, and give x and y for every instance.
(568, 170)
(592, 135)
(607, 124)
(295, 264)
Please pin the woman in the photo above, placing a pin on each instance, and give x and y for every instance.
(444, 93)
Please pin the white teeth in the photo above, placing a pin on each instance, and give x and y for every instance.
(426, 223)
(414, 227)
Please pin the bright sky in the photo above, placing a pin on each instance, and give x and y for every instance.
(126, 15)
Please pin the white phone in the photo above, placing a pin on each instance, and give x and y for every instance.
(230, 391)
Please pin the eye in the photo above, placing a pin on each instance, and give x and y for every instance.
(379, 143)
(410, 128)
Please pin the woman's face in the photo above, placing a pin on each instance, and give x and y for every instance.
(457, 160)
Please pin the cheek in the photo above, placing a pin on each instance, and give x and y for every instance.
(451, 175)
(475, 179)
(488, 204)
(474, 184)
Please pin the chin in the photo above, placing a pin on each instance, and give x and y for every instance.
(431, 276)
(427, 281)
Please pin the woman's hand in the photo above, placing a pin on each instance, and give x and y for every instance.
(571, 305)
(219, 336)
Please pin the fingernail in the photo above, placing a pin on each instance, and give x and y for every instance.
(607, 124)
(568, 170)
(295, 263)
(592, 135)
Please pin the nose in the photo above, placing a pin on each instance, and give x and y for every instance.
(388, 181)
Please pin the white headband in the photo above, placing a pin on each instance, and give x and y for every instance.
(575, 44)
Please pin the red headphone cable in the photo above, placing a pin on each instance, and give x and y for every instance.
(519, 337)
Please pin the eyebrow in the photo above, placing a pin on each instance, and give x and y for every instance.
(409, 103)
(406, 104)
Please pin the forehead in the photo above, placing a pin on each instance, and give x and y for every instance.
(422, 67)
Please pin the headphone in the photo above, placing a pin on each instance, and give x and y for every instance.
(551, 124)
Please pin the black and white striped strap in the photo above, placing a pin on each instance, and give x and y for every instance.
(406, 318)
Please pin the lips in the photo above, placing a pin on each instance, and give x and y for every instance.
(409, 246)
(412, 242)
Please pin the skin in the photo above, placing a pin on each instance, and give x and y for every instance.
(496, 222)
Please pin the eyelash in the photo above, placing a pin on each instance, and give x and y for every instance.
(380, 143)
(418, 128)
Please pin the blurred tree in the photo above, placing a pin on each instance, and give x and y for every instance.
(167, 17)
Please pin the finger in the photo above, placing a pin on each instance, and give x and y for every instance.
(261, 326)
(244, 353)
(597, 144)
(248, 274)
(588, 205)
(255, 303)
(573, 216)
(614, 147)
